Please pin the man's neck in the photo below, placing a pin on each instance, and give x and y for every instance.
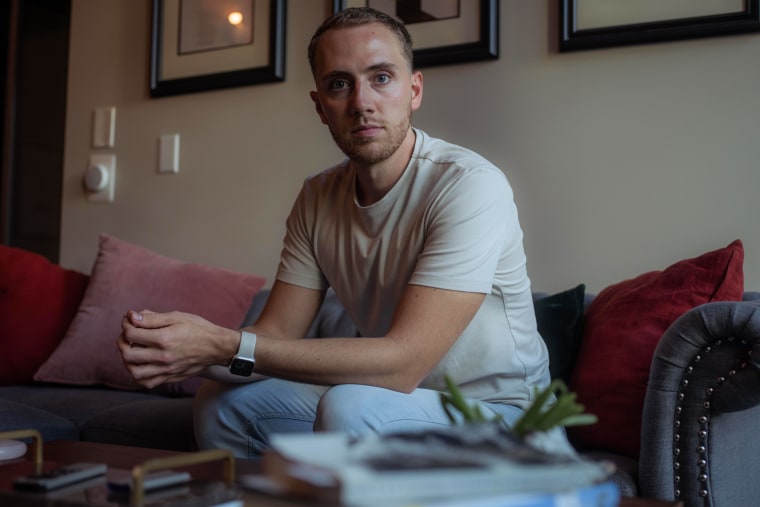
(376, 180)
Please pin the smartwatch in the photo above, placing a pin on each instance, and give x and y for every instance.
(242, 363)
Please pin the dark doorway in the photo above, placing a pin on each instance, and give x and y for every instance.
(34, 67)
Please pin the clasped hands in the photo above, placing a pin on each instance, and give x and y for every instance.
(170, 347)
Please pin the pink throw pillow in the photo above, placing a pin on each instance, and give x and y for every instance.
(38, 300)
(622, 327)
(128, 277)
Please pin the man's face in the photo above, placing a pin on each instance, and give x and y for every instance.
(365, 91)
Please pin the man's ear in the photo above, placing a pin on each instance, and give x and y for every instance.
(315, 98)
(416, 90)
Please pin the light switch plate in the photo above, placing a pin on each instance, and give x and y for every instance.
(103, 127)
(109, 162)
(168, 153)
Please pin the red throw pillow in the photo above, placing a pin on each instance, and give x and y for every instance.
(129, 277)
(38, 300)
(623, 325)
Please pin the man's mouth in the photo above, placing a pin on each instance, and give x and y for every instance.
(366, 130)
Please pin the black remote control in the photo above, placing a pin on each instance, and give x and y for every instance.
(60, 477)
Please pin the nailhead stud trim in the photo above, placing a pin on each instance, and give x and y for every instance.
(703, 420)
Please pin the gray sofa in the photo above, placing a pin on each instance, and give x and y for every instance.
(700, 416)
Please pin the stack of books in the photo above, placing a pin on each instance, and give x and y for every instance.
(479, 465)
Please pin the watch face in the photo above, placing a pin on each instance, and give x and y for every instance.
(241, 366)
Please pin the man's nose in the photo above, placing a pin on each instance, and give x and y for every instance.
(361, 99)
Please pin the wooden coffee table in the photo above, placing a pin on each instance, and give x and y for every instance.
(125, 457)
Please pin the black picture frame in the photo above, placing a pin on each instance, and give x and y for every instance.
(485, 48)
(688, 26)
(272, 71)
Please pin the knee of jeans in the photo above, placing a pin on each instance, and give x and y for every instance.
(208, 406)
(346, 408)
(219, 419)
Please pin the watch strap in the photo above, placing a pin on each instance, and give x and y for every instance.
(247, 345)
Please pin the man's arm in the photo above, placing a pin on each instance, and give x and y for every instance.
(285, 315)
(289, 311)
(168, 347)
(427, 322)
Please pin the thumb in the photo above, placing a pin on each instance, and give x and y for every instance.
(147, 319)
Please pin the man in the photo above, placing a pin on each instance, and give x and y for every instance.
(419, 239)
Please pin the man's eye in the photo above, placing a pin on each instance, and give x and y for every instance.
(382, 78)
(338, 84)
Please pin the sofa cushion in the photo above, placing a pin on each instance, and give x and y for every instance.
(77, 404)
(38, 300)
(99, 414)
(559, 318)
(156, 423)
(128, 277)
(622, 327)
(20, 416)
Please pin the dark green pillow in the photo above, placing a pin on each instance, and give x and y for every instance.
(560, 323)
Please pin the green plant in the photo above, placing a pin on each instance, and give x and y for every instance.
(541, 415)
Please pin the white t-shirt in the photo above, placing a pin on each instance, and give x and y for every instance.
(449, 222)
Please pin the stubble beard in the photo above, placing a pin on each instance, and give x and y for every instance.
(371, 152)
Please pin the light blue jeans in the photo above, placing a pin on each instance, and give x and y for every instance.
(243, 417)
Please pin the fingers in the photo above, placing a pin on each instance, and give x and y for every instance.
(123, 344)
(151, 375)
(149, 366)
(143, 373)
(161, 347)
(148, 328)
(149, 320)
(129, 323)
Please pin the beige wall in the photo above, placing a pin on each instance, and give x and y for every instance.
(623, 160)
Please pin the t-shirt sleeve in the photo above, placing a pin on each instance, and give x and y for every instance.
(298, 263)
(473, 228)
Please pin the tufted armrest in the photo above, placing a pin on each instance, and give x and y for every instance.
(701, 413)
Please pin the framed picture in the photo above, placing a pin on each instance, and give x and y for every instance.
(444, 31)
(200, 45)
(589, 24)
